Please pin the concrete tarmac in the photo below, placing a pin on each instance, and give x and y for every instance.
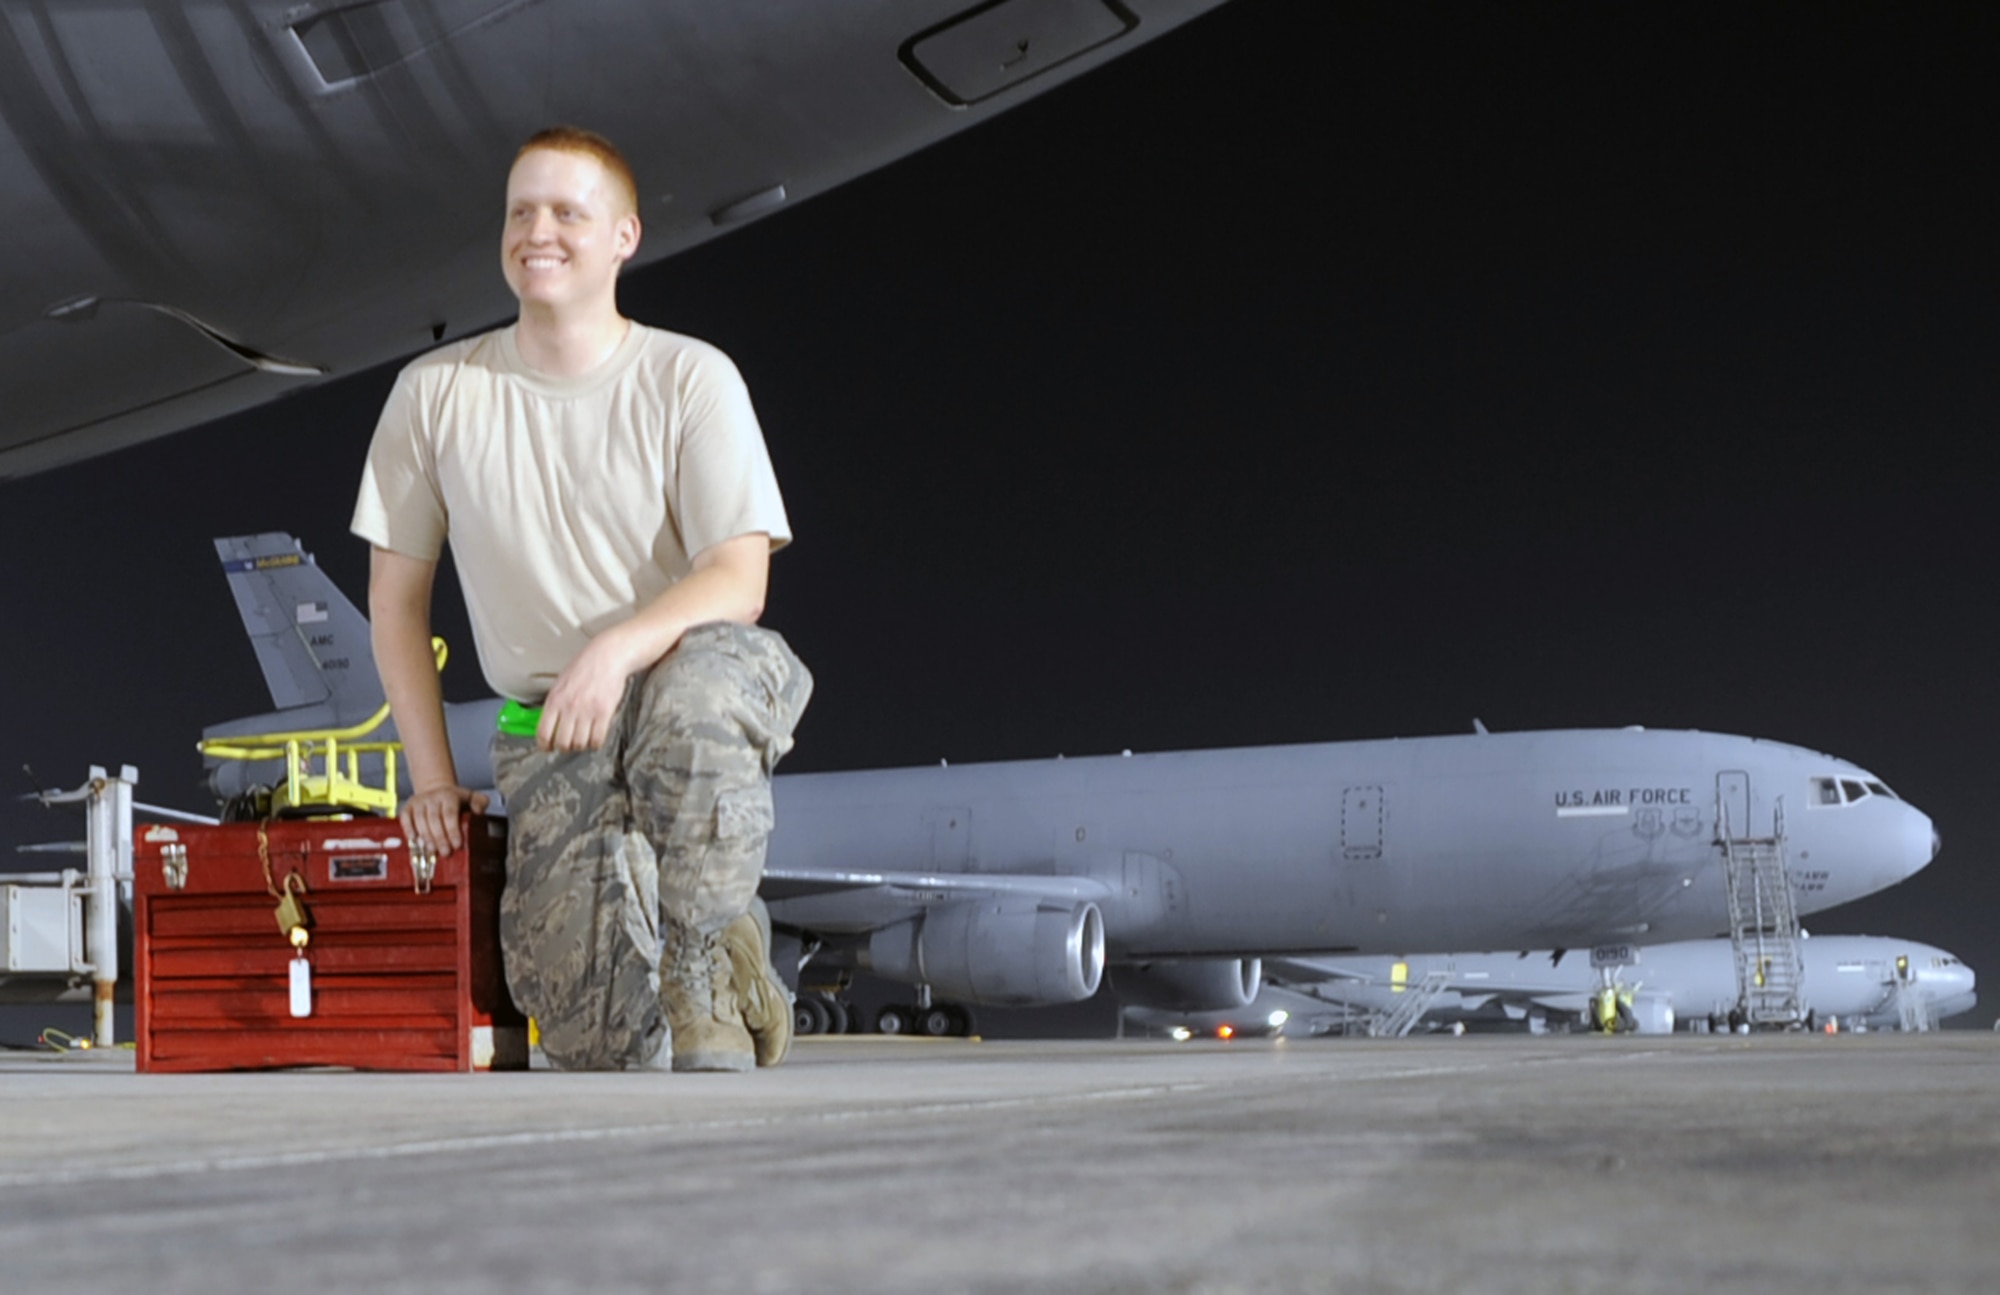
(1574, 1164)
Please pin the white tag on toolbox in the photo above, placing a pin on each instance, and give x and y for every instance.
(302, 987)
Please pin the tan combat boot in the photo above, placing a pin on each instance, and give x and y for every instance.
(701, 1003)
(760, 994)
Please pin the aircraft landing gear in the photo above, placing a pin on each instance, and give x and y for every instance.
(818, 1012)
(945, 1021)
(839, 1018)
(809, 1014)
(937, 1021)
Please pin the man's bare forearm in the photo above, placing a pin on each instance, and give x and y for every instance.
(727, 583)
(399, 617)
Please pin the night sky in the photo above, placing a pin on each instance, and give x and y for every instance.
(1315, 372)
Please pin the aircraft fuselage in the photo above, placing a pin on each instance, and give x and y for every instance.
(1483, 841)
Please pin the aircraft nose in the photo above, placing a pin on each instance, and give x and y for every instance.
(1920, 840)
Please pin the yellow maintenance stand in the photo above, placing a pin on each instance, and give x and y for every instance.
(323, 766)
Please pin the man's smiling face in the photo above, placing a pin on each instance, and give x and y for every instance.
(567, 230)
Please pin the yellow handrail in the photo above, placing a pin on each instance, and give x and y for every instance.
(299, 749)
(244, 746)
(269, 746)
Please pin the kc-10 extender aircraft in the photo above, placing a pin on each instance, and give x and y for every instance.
(210, 206)
(1856, 979)
(1017, 883)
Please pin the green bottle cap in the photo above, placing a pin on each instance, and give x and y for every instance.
(516, 720)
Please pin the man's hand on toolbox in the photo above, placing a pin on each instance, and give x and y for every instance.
(431, 817)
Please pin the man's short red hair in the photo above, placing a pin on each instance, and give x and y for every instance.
(588, 143)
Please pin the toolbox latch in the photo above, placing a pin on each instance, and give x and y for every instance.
(424, 864)
(174, 863)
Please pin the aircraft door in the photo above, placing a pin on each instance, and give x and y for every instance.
(1150, 904)
(950, 828)
(1369, 886)
(1732, 804)
(1361, 823)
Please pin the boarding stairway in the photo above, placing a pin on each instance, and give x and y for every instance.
(1763, 923)
(1410, 1008)
(1913, 1009)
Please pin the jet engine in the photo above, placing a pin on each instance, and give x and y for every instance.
(1010, 951)
(1190, 985)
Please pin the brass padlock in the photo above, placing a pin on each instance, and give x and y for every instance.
(291, 913)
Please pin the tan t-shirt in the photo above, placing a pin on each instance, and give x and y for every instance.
(570, 502)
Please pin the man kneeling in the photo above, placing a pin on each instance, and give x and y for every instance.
(611, 508)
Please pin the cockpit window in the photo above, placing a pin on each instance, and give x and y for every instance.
(1846, 791)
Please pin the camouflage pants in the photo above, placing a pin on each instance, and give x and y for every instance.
(669, 817)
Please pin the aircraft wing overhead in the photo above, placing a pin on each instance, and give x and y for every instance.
(1303, 973)
(856, 902)
(215, 205)
(1297, 971)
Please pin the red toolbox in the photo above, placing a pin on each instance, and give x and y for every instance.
(401, 961)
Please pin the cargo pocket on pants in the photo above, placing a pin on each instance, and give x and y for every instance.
(735, 862)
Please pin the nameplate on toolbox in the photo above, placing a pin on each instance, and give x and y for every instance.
(358, 867)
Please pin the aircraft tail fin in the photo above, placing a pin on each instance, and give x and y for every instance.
(311, 642)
